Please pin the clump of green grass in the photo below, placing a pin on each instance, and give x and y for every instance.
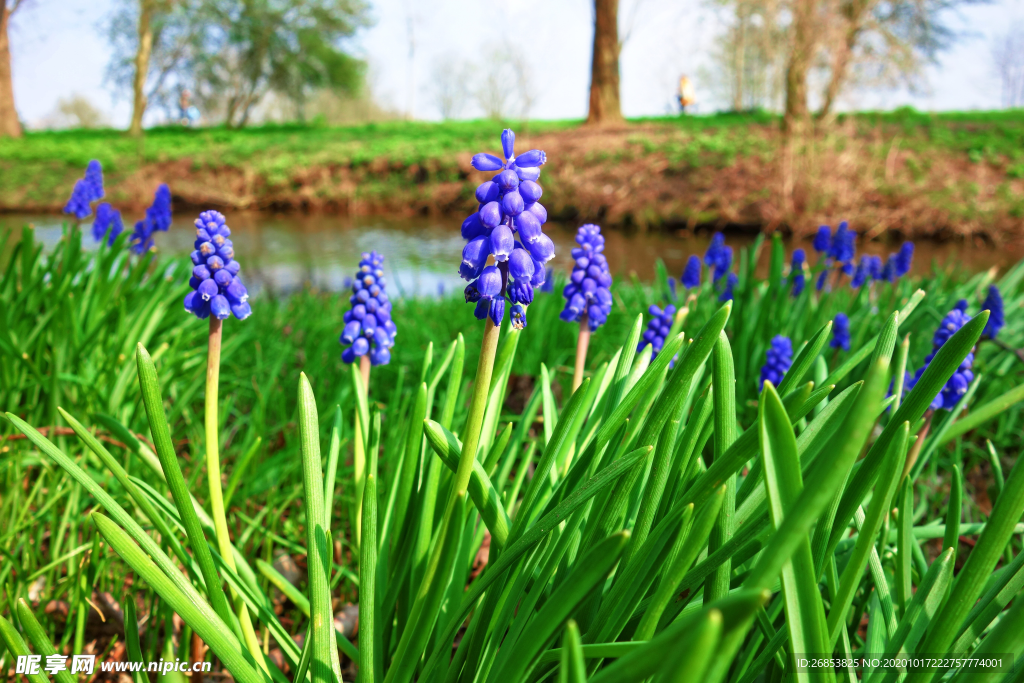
(659, 523)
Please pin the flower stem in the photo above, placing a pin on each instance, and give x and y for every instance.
(481, 386)
(359, 451)
(582, 342)
(213, 476)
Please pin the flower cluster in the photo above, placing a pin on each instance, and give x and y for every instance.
(777, 360)
(217, 291)
(837, 250)
(658, 328)
(961, 379)
(86, 191)
(994, 305)
(840, 332)
(730, 283)
(158, 218)
(796, 271)
(368, 326)
(691, 274)
(108, 220)
(509, 207)
(718, 257)
(587, 292)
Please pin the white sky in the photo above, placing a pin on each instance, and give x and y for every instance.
(59, 49)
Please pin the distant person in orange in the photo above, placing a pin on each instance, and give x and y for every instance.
(686, 94)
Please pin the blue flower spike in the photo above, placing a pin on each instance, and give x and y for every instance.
(904, 259)
(691, 274)
(730, 283)
(957, 385)
(369, 328)
(777, 360)
(997, 317)
(217, 291)
(108, 223)
(87, 190)
(840, 332)
(587, 292)
(658, 328)
(823, 239)
(508, 226)
(796, 271)
(158, 219)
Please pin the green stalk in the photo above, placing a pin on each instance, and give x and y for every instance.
(213, 476)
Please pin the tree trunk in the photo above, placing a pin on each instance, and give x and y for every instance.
(800, 57)
(605, 107)
(739, 56)
(10, 126)
(855, 13)
(142, 65)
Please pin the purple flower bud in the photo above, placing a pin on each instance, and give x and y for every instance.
(539, 273)
(219, 307)
(528, 173)
(236, 292)
(208, 289)
(538, 210)
(521, 292)
(233, 267)
(222, 278)
(487, 192)
(508, 141)
(507, 180)
(502, 242)
(348, 355)
(190, 300)
(533, 158)
(528, 226)
(351, 331)
(215, 263)
(472, 293)
(518, 316)
(512, 203)
(530, 191)
(542, 249)
(520, 264)
(474, 256)
(481, 309)
(496, 311)
(486, 162)
(380, 356)
(360, 346)
(201, 273)
(196, 257)
(359, 311)
(490, 214)
(489, 282)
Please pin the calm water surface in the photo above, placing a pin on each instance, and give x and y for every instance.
(287, 252)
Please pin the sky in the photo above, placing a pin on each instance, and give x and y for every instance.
(59, 49)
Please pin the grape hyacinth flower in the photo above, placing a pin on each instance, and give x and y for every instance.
(586, 295)
(994, 305)
(843, 247)
(961, 305)
(217, 291)
(904, 259)
(658, 328)
(587, 298)
(875, 267)
(158, 218)
(715, 250)
(108, 220)
(796, 271)
(957, 385)
(889, 270)
(862, 273)
(672, 287)
(777, 360)
(369, 328)
(840, 332)
(823, 239)
(691, 274)
(86, 191)
(509, 208)
(727, 293)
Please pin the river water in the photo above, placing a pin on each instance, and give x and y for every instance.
(286, 252)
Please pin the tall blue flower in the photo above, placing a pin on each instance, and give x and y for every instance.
(840, 332)
(108, 220)
(217, 291)
(158, 218)
(961, 305)
(904, 259)
(368, 325)
(587, 292)
(823, 239)
(86, 191)
(691, 274)
(715, 250)
(875, 267)
(672, 287)
(509, 208)
(862, 273)
(658, 328)
(730, 282)
(777, 360)
(957, 385)
(796, 271)
(994, 305)
(843, 247)
(889, 270)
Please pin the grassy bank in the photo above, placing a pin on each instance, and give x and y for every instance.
(917, 174)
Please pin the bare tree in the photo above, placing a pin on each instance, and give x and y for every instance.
(10, 126)
(505, 65)
(801, 54)
(142, 53)
(449, 82)
(605, 106)
(1008, 59)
